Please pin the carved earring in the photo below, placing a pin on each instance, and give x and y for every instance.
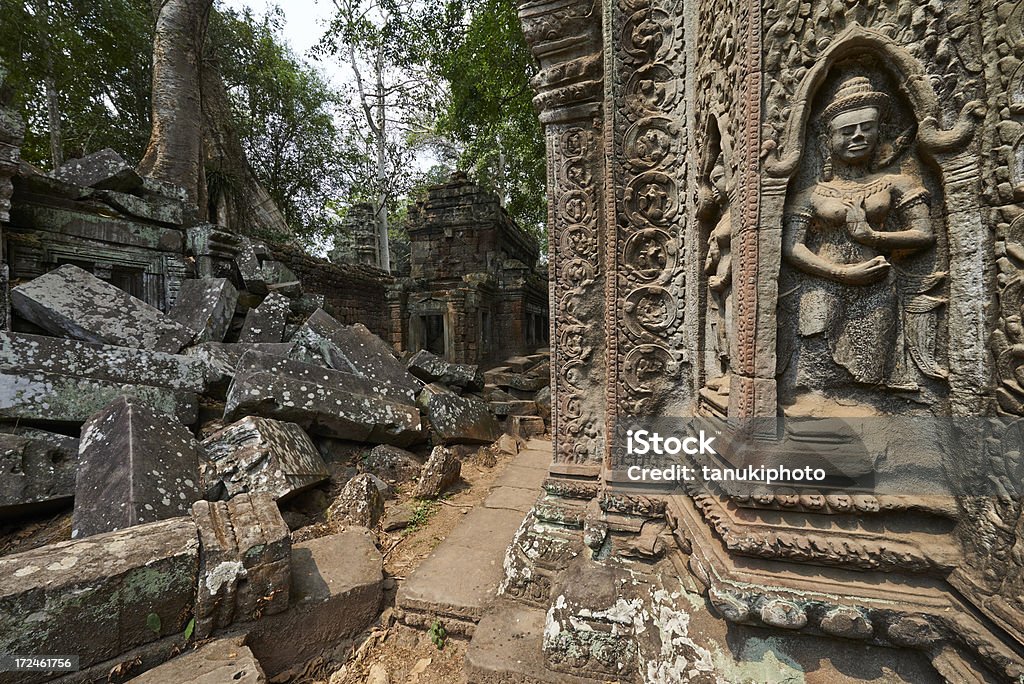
(826, 168)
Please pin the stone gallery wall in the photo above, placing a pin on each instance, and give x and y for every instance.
(783, 209)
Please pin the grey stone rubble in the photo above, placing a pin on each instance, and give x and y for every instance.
(220, 359)
(393, 464)
(439, 473)
(215, 662)
(430, 368)
(265, 323)
(104, 170)
(359, 503)
(457, 420)
(74, 303)
(322, 401)
(261, 455)
(136, 465)
(205, 306)
(35, 473)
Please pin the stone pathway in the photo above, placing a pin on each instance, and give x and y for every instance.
(459, 581)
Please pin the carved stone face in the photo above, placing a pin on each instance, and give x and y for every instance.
(854, 135)
(718, 179)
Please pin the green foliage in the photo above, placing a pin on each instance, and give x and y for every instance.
(422, 514)
(438, 634)
(98, 55)
(190, 628)
(153, 622)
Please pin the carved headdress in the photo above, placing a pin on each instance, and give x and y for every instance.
(855, 93)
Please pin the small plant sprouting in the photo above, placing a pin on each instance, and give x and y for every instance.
(421, 514)
(438, 634)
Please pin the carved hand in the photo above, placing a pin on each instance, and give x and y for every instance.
(716, 283)
(857, 226)
(865, 272)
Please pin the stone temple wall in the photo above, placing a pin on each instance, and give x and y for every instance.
(790, 210)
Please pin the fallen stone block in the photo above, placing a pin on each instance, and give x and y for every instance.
(354, 349)
(156, 209)
(35, 474)
(62, 399)
(336, 591)
(398, 517)
(513, 407)
(322, 401)
(392, 463)
(220, 359)
(100, 597)
(525, 426)
(70, 302)
(441, 471)
(248, 261)
(277, 273)
(520, 381)
(430, 368)
(105, 170)
(457, 420)
(215, 662)
(543, 401)
(125, 365)
(262, 455)
(205, 307)
(360, 502)
(518, 364)
(244, 570)
(136, 465)
(291, 290)
(266, 322)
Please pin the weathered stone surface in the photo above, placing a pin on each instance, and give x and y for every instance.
(392, 463)
(73, 303)
(526, 426)
(521, 381)
(98, 597)
(249, 267)
(398, 517)
(513, 407)
(262, 455)
(34, 473)
(245, 565)
(136, 465)
(53, 398)
(354, 349)
(430, 368)
(359, 503)
(266, 322)
(106, 170)
(205, 306)
(336, 591)
(221, 358)
(215, 662)
(322, 401)
(457, 420)
(115, 364)
(543, 401)
(439, 473)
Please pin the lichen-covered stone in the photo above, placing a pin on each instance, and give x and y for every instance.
(136, 465)
(265, 323)
(503, 377)
(20, 352)
(35, 473)
(430, 368)
(244, 568)
(205, 307)
(392, 463)
(215, 662)
(53, 398)
(322, 401)
(221, 358)
(262, 455)
(99, 597)
(354, 349)
(105, 170)
(359, 503)
(440, 472)
(457, 420)
(70, 302)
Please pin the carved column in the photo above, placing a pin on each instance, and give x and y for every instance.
(12, 132)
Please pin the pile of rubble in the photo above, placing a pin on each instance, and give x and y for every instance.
(102, 397)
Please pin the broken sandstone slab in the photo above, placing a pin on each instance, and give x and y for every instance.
(457, 420)
(440, 472)
(244, 570)
(104, 170)
(63, 399)
(70, 302)
(262, 455)
(322, 401)
(19, 353)
(503, 377)
(265, 323)
(359, 503)
(221, 358)
(98, 597)
(430, 368)
(35, 473)
(354, 349)
(215, 662)
(136, 465)
(392, 463)
(205, 306)
(336, 591)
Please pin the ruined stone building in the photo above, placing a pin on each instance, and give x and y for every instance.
(781, 209)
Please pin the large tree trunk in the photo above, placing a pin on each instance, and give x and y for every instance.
(52, 99)
(237, 198)
(175, 151)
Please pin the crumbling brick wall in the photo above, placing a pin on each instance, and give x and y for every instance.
(352, 293)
